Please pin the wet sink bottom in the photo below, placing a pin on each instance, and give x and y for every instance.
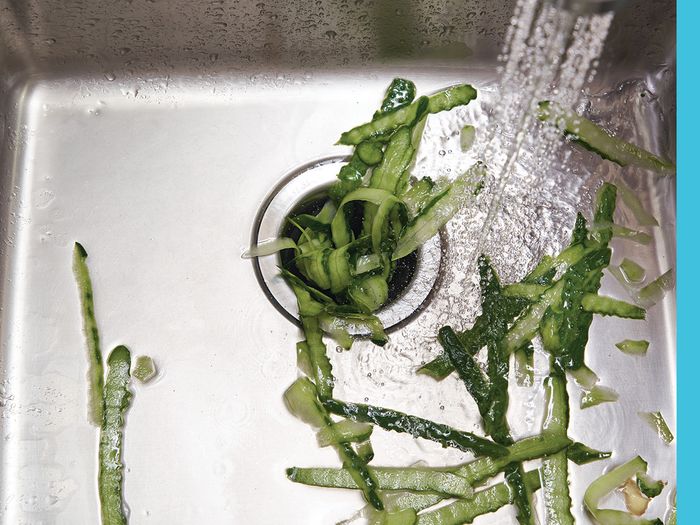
(161, 181)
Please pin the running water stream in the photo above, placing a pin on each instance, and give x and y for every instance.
(549, 54)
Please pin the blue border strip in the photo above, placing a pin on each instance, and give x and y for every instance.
(688, 184)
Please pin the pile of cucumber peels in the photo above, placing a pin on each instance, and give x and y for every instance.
(345, 256)
(341, 270)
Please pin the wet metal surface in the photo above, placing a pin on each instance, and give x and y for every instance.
(158, 162)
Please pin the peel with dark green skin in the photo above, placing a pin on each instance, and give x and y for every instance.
(400, 93)
(407, 115)
(592, 137)
(570, 319)
(506, 309)
(92, 334)
(582, 454)
(492, 397)
(396, 421)
(302, 398)
(469, 371)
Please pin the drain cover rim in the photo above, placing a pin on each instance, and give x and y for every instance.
(294, 187)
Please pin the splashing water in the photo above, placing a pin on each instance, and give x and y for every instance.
(549, 54)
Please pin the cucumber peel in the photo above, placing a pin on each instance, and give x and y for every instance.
(92, 335)
(606, 484)
(117, 396)
(633, 347)
(144, 369)
(594, 138)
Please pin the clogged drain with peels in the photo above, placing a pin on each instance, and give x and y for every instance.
(305, 191)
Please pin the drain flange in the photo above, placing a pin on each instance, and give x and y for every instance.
(298, 187)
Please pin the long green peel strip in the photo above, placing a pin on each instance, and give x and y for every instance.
(395, 500)
(320, 364)
(524, 450)
(116, 400)
(92, 334)
(388, 478)
(406, 115)
(555, 480)
(472, 473)
(603, 305)
(629, 197)
(418, 427)
(483, 502)
(594, 138)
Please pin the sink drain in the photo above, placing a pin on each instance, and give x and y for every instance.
(301, 191)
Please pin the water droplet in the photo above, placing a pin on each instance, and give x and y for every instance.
(110, 76)
(45, 198)
(442, 152)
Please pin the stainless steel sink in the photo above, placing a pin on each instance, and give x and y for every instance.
(152, 131)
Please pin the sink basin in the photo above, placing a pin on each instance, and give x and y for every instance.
(152, 132)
